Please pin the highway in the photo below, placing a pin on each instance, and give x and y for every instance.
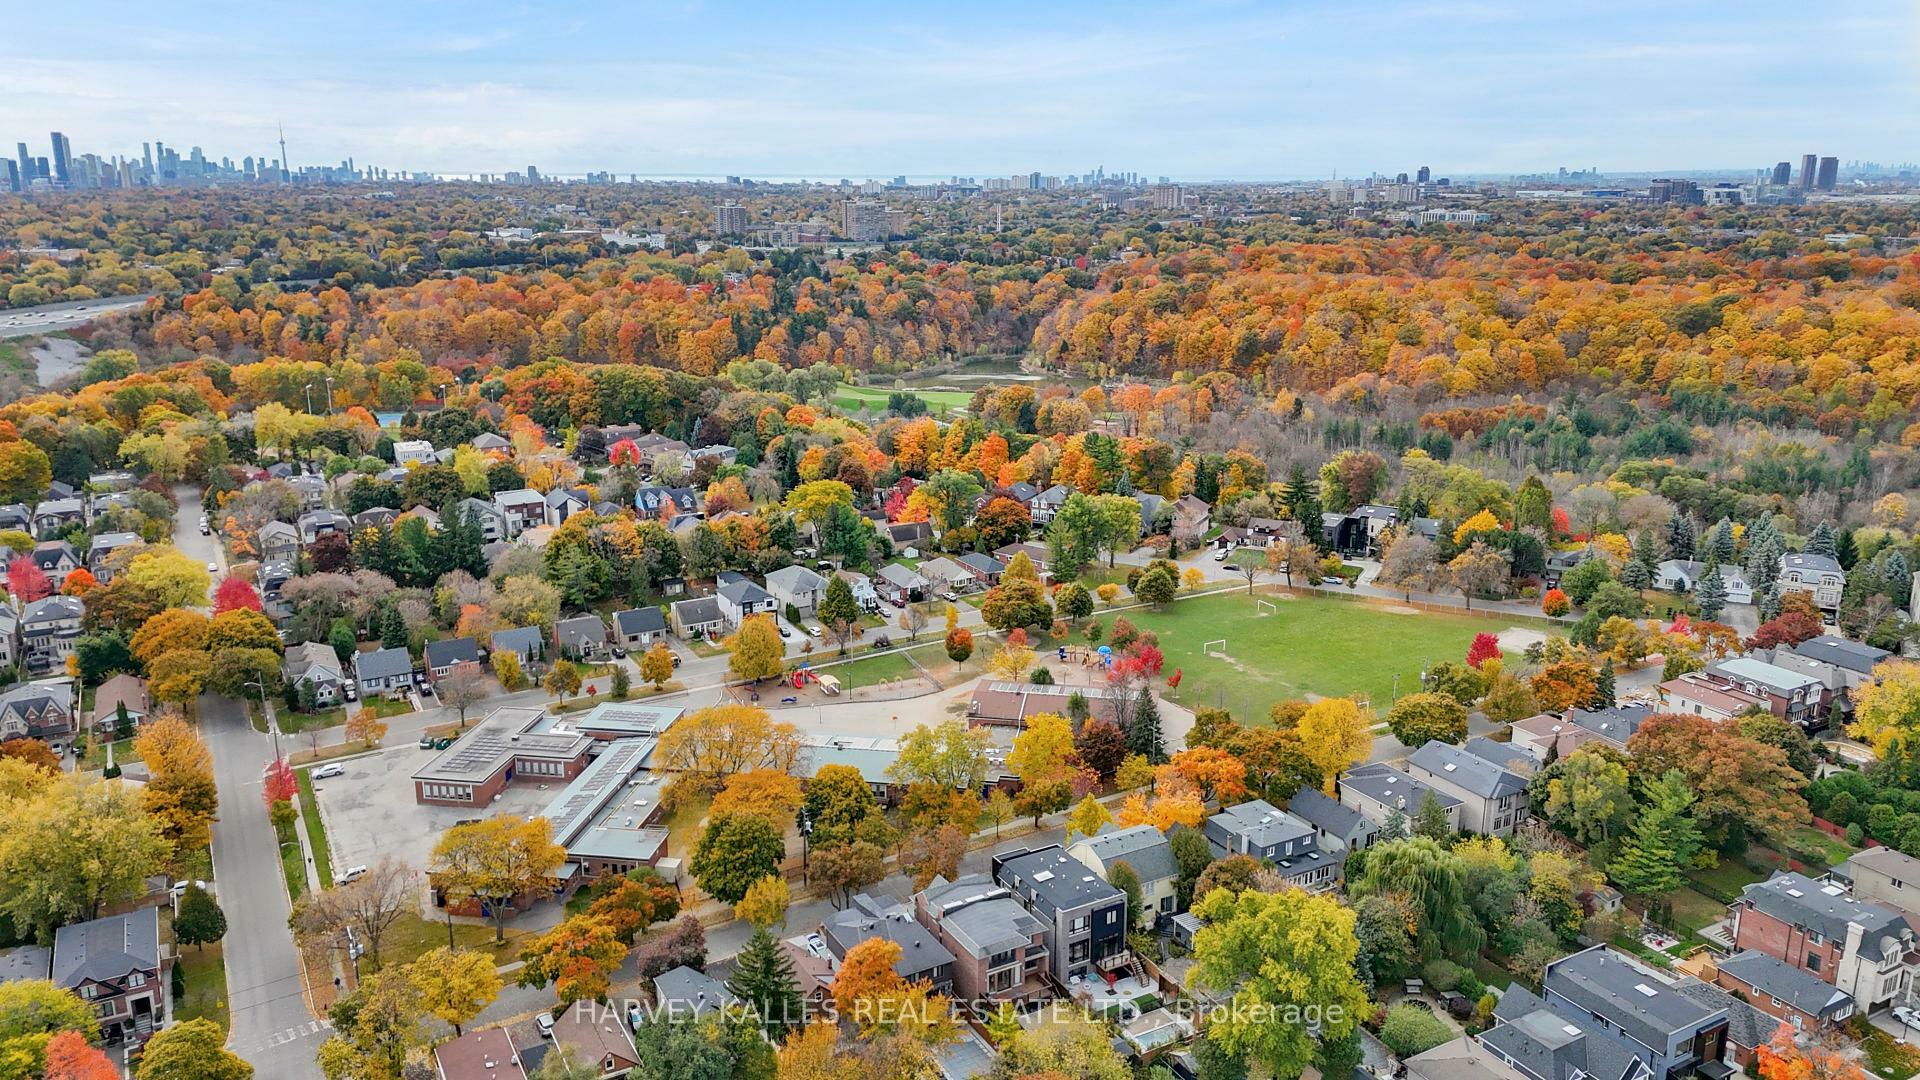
(48, 318)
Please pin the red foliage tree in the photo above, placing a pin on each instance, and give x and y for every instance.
(278, 785)
(330, 553)
(1790, 628)
(70, 1057)
(235, 594)
(28, 582)
(1017, 638)
(1555, 603)
(896, 502)
(624, 452)
(1173, 680)
(1562, 525)
(1485, 647)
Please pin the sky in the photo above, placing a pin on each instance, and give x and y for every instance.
(1215, 89)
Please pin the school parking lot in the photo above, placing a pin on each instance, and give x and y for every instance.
(370, 811)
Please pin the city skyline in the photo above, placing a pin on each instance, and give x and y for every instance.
(1226, 91)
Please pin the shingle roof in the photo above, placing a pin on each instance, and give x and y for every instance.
(866, 917)
(698, 610)
(646, 620)
(1827, 909)
(1330, 815)
(1142, 847)
(519, 639)
(1482, 777)
(1853, 655)
(1776, 978)
(795, 579)
(452, 651)
(1804, 560)
(382, 664)
(1547, 1044)
(1261, 823)
(743, 592)
(685, 990)
(1392, 788)
(1627, 994)
(1056, 878)
(107, 948)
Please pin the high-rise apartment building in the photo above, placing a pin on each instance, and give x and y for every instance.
(1809, 164)
(729, 219)
(1829, 176)
(1169, 197)
(864, 220)
(26, 167)
(1782, 174)
(62, 159)
(10, 176)
(1425, 174)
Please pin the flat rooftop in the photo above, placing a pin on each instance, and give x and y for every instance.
(505, 734)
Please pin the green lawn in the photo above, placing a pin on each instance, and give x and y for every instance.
(1309, 646)
(293, 723)
(889, 666)
(1726, 878)
(206, 978)
(875, 398)
(412, 935)
(293, 869)
(316, 831)
(1694, 911)
(1885, 1055)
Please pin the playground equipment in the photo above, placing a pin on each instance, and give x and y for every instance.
(1105, 652)
(1264, 607)
(805, 674)
(1207, 648)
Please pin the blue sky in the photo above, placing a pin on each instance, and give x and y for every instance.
(857, 89)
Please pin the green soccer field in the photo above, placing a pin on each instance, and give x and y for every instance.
(1308, 646)
(854, 398)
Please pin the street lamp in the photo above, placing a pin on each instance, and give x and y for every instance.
(806, 843)
(309, 399)
(329, 381)
(272, 728)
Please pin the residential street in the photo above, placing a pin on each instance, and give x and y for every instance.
(271, 1024)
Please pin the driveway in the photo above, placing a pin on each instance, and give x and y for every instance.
(370, 811)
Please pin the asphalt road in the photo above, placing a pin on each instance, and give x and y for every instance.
(22, 322)
(271, 1025)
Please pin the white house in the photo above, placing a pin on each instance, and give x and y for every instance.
(740, 598)
(1683, 576)
(413, 452)
(798, 586)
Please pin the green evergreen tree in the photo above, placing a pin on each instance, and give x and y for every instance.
(763, 979)
(1822, 540)
(1431, 820)
(1143, 731)
(199, 919)
(1603, 687)
(1395, 827)
(1845, 551)
(1652, 860)
(393, 627)
(1711, 594)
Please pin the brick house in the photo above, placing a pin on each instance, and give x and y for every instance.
(1865, 950)
(1783, 992)
(998, 947)
(116, 966)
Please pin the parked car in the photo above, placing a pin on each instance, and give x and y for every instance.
(426, 742)
(545, 1023)
(180, 888)
(349, 875)
(1907, 1015)
(1221, 555)
(205, 529)
(327, 772)
(812, 631)
(785, 632)
(213, 568)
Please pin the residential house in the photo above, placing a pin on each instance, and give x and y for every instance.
(1358, 531)
(427, 515)
(1037, 554)
(1782, 991)
(383, 671)
(657, 502)
(1150, 507)
(1559, 562)
(899, 584)
(1378, 792)
(798, 586)
(38, 710)
(525, 642)
(101, 546)
(697, 617)
(1683, 576)
(16, 516)
(123, 690)
(1192, 517)
(1555, 736)
(1866, 950)
(636, 629)
(521, 509)
(117, 967)
(563, 503)
(943, 575)
(591, 1033)
(740, 598)
(684, 994)
(1043, 506)
(1000, 949)
(1790, 695)
(1270, 834)
(1670, 1032)
(9, 635)
(413, 452)
(1467, 1058)
(48, 629)
(718, 453)
(51, 517)
(580, 636)
(923, 957)
(489, 443)
(1493, 798)
(1148, 852)
(1857, 658)
(115, 480)
(1085, 918)
(1338, 827)
(312, 491)
(56, 559)
(315, 663)
(441, 656)
(315, 524)
(1819, 576)
(1694, 694)
(1884, 876)
(1538, 1040)
(480, 1054)
(907, 534)
(862, 588)
(986, 569)
(279, 543)
(487, 515)
(382, 517)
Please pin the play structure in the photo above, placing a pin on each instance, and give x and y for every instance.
(805, 674)
(1086, 656)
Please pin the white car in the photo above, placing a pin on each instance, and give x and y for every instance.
(180, 888)
(1221, 555)
(350, 875)
(1907, 1015)
(813, 631)
(327, 772)
(213, 568)
(545, 1023)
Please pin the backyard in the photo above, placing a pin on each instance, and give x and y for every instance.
(1308, 647)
